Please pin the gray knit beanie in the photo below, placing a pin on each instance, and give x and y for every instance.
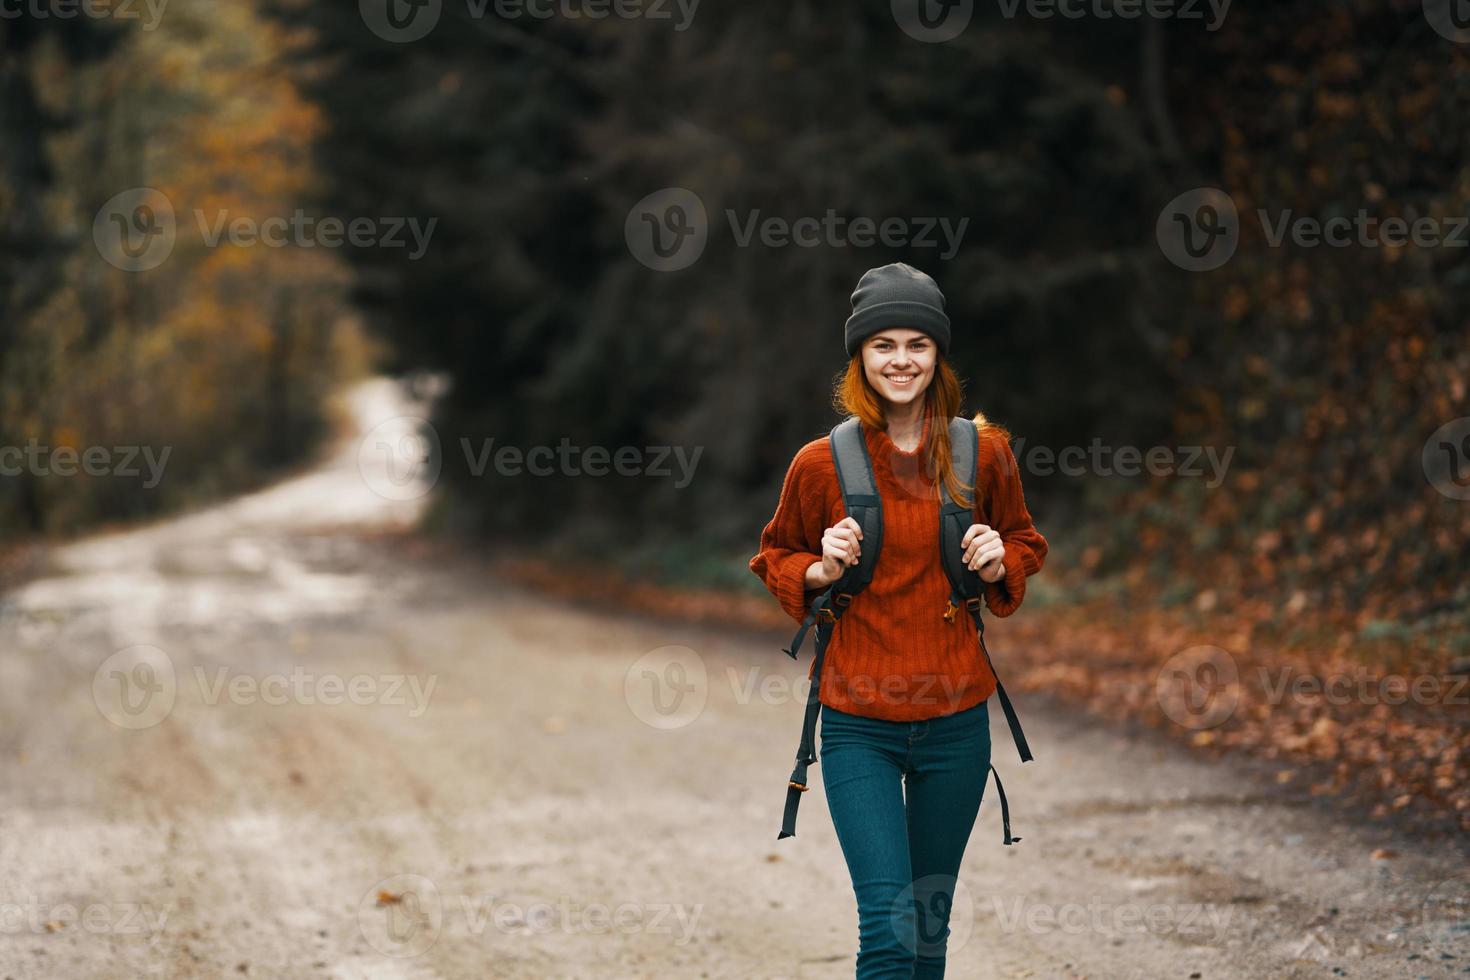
(896, 295)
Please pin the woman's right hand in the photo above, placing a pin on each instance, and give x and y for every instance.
(841, 547)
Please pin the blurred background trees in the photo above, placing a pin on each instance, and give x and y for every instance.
(222, 355)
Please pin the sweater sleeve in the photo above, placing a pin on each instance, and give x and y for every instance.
(792, 540)
(1025, 548)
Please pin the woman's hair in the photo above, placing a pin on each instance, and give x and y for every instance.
(854, 395)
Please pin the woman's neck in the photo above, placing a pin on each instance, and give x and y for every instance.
(906, 425)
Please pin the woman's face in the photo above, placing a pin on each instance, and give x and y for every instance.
(900, 363)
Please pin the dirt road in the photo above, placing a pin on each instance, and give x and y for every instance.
(282, 737)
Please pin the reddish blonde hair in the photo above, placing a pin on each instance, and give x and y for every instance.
(853, 394)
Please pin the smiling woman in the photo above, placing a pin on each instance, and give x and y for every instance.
(901, 688)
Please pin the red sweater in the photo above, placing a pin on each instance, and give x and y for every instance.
(892, 655)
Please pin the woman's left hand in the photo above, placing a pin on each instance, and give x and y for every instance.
(984, 552)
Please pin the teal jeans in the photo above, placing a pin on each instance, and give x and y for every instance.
(903, 798)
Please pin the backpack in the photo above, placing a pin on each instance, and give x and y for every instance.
(860, 498)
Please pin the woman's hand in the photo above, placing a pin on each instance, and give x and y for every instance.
(841, 546)
(984, 552)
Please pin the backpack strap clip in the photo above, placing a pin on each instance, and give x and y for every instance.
(971, 603)
(841, 600)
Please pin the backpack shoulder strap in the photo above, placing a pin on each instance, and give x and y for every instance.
(955, 518)
(860, 500)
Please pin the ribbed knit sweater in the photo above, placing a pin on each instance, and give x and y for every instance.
(892, 655)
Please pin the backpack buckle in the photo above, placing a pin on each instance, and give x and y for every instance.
(826, 615)
(972, 603)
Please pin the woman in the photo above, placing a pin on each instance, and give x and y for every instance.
(905, 731)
